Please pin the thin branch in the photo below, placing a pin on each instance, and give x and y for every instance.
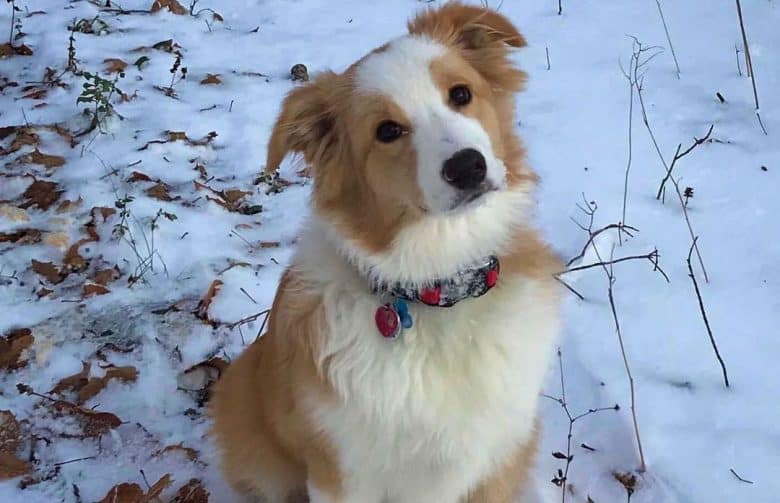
(704, 314)
(249, 319)
(652, 257)
(568, 287)
(746, 481)
(668, 37)
(593, 235)
(562, 477)
(679, 155)
(611, 279)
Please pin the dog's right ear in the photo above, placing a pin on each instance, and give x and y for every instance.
(306, 123)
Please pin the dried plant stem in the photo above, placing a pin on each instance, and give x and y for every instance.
(739, 67)
(668, 37)
(704, 314)
(562, 477)
(652, 257)
(611, 279)
(560, 7)
(749, 65)
(547, 51)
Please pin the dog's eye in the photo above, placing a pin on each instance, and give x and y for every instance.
(460, 96)
(389, 131)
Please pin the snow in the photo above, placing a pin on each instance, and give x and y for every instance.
(574, 121)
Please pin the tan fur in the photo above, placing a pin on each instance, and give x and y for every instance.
(261, 423)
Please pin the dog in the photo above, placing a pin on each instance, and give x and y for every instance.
(410, 335)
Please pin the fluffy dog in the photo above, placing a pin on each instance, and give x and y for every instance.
(411, 332)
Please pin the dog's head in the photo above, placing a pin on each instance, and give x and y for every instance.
(414, 143)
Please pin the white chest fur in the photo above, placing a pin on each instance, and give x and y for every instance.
(426, 416)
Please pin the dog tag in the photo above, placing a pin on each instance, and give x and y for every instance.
(387, 321)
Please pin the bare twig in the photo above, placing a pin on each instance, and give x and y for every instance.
(704, 314)
(249, 319)
(560, 7)
(568, 287)
(593, 235)
(611, 279)
(746, 481)
(677, 156)
(562, 477)
(547, 51)
(749, 65)
(736, 52)
(653, 257)
(668, 37)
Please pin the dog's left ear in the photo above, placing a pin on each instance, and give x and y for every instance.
(472, 28)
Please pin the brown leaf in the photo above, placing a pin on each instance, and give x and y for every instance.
(73, 382)
(38, 157)
(124, 493)
(7, 131)
(12, 346)
(41, 194)
(159, 191)
(203, 375)
(93, 423)
(22, 236)
(11, 466)
(158, 487)
(24, 136)
(10, 433)
(211, 78)
(205, 303)
(114, 65)
(11, 50)
(105, 276)
(43, 292)
(137, 176)
(52, 273)
(172, 5)
(57, 239)
(177, 135)
(232, 196)
(104, 212)
(37, 94)
(73, 260)
(192, 492)
(188, 452)
(92, 289)
(68, 205)
(13, 213)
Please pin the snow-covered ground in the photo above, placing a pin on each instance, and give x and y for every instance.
(156, 296)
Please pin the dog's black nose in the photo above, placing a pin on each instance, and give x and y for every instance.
(465, 170)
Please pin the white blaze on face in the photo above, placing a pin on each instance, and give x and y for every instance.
(402, 73)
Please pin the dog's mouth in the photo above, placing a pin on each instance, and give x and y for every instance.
(469, 198)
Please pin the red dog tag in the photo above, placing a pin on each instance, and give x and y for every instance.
(387, 321)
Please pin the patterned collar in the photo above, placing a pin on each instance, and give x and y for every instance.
(466, 283)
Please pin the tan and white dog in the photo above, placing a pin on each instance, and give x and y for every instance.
(398, 365)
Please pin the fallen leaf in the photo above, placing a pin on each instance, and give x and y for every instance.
(114, 65)
(11, 466)
(18, 50)
(158, 487)
(137, 176)
(10, 433)
(188, 452)
(24, 136)
(56, 239)
(13, 213)
(105, 276)
(211, 78)
(177, 135)
(93, 423)
(37, 94)
(73, 382)
(192, 492)
(52, 273)
(41, 194)
(124, 493)
(205, 303)
(201, 376)
(172, 5)
(92, 289)
(12, 346)
(22, 236)
(68, 205)
(43, 292)
(73, 260)
(50, 161)
(7, 131)
(159, 191)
